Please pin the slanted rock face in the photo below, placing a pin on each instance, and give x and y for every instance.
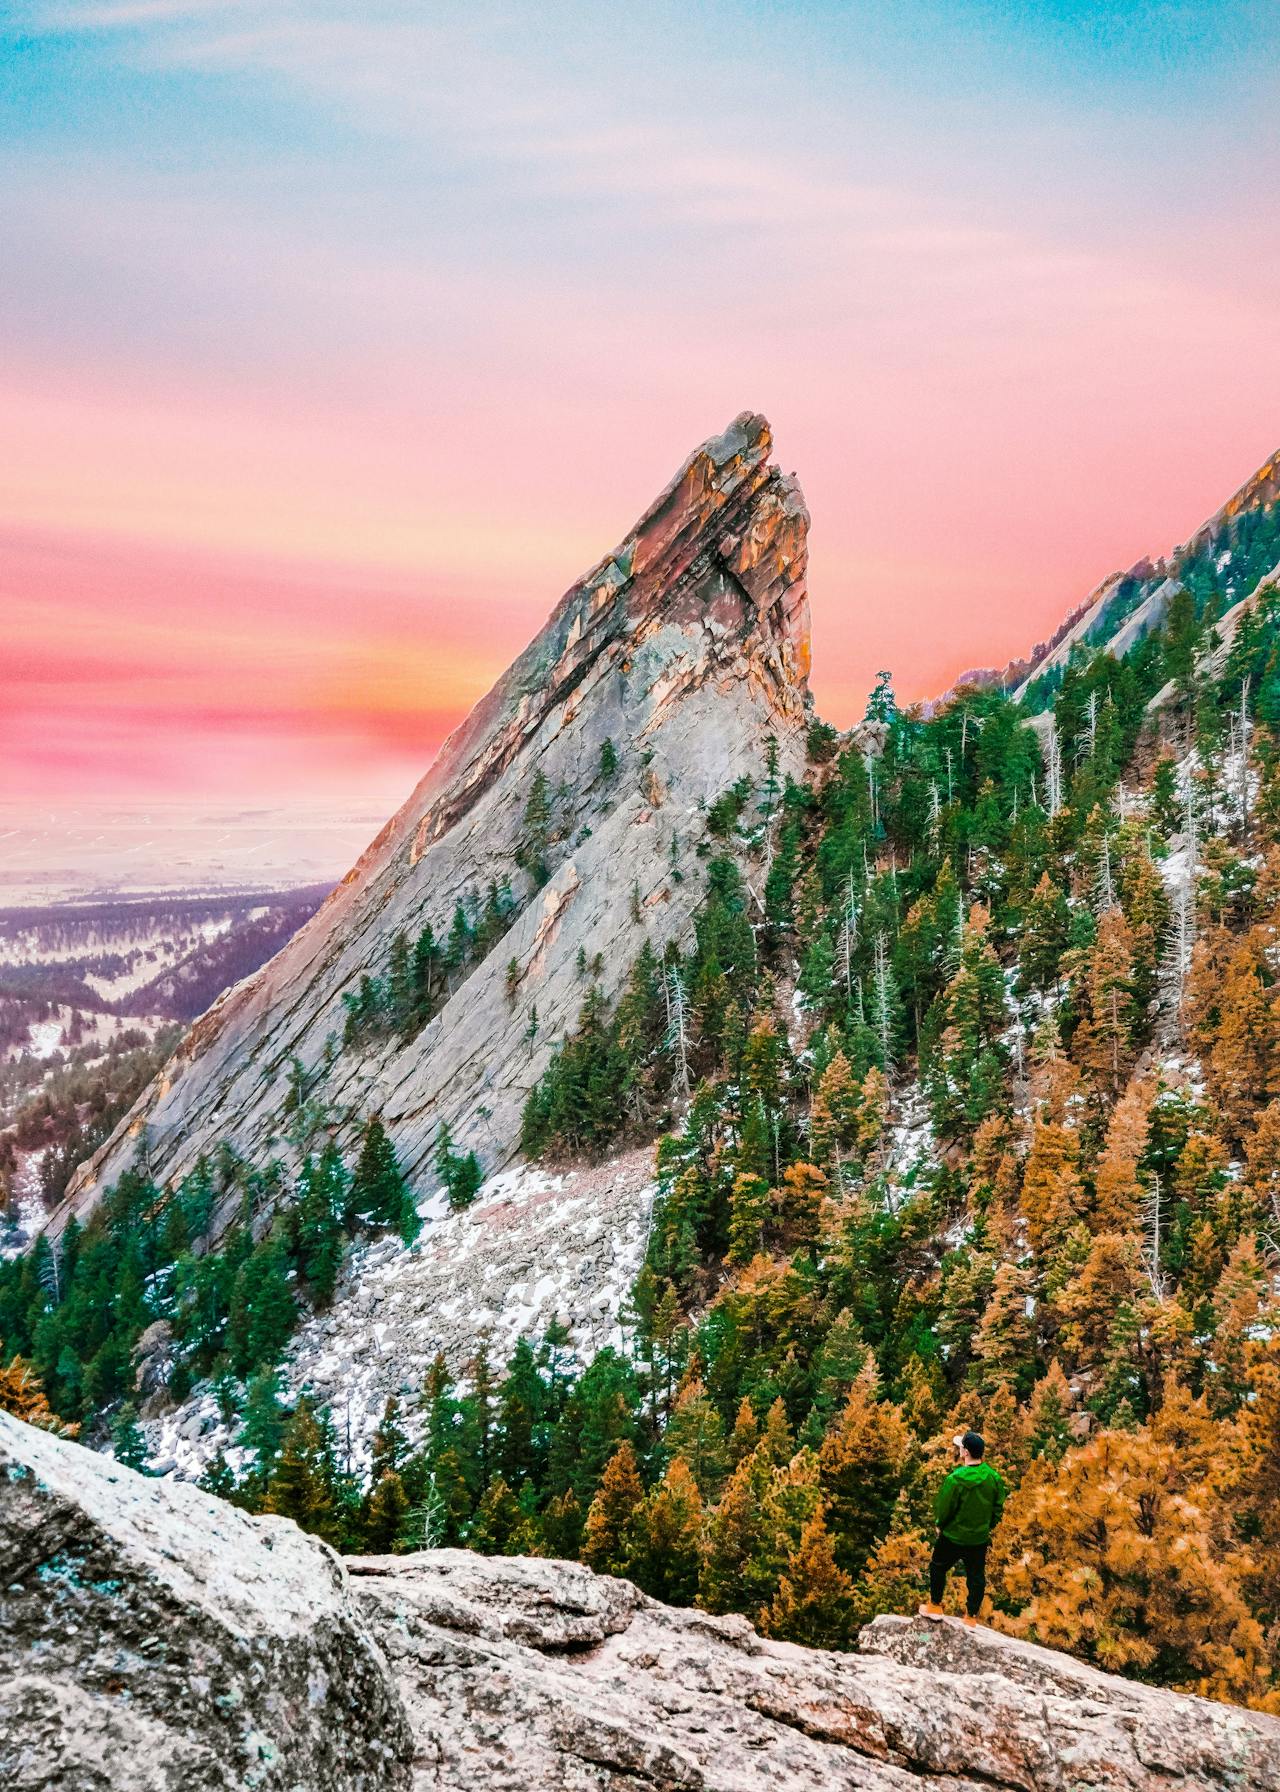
(1126, 606)
(688, 649)
(152, 1637)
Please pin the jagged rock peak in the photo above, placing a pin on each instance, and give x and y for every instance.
(1260, 490)
(151, 1637)
(710, 582)
(685, 654)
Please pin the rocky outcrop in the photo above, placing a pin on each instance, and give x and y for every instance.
(1126, 606)
(526, 1675)
(687, 648)
(152, 1637)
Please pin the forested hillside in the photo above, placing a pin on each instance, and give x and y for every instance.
(967, 1107)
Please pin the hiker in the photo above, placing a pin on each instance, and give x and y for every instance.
(967, 1509)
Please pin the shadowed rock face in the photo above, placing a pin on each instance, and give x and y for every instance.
(152, 1637)
(688, 649)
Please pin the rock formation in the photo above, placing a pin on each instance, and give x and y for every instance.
(687, 648)
(1126, 606)
(152, 1637)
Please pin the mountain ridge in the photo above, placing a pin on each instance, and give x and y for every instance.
(1081, 623)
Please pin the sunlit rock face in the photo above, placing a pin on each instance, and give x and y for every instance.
(152, 1637)
(687, 648)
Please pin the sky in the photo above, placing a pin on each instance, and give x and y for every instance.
(337, 339)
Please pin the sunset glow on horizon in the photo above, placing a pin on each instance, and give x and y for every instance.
(339, 340)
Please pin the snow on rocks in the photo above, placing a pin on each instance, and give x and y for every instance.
(912, 1147)
(20, 1226)
(535, 1246)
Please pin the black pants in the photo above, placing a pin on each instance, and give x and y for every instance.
(945, 1556)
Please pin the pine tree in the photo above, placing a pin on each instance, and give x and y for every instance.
(1109, 1284)
(400, 990)
(219, 1478)
(966, 1077)
(264, 1419)
(385, 1515)
(814, 1604)
(748, 1216)
(1045, 930)
(804, 1188)
(535, 833)
(378, 1190)
(524, 1410)
(745, 1435)
(500, 1527)
(1053, 1195)
(863, 1461)
(893, 1579)
(22, 1395)
(817, 975)
(744, 1550)
(1104, 1039)
(321, 1202)
(1119, 1182)
(1093, 1557)
(833, 1116)
(695, 1433)
(128, 1445)
(302, 1483)
(562, 1523)
(776, 1439)
(608, 1541)
(459, 1171)
(1004, 1350)
(1047, 1423)
(263, 1310)
(1241, 1059)
(424, 974)
(390, 1445)
(664, 1554)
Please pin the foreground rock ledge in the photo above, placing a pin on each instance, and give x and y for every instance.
(153, 1637)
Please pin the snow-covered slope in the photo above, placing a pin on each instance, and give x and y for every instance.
(534, 1247)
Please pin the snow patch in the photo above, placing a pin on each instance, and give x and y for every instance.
(535, 1246)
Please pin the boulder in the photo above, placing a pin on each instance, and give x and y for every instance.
(523, 1676)
(153, 1637)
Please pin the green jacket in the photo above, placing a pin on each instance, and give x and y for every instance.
(969, 1503)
